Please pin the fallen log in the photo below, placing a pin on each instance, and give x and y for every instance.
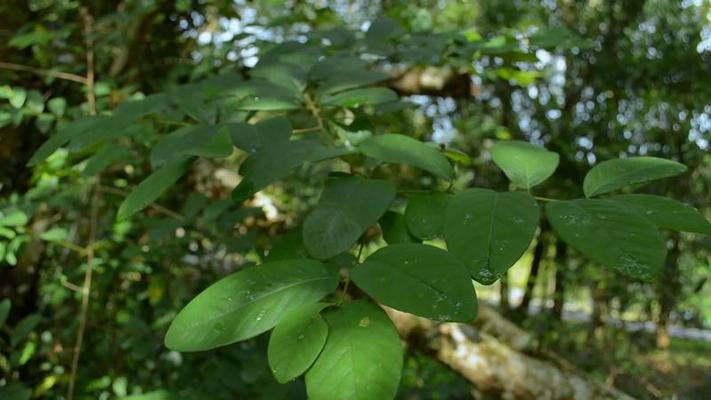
(489, 354)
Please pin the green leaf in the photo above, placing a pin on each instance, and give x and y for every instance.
(5, 307)
(419, 279)
(103, 158)
(490, 231)
(615, 174)
(277, 161)
(667, 213)
(611, 233)
(359, 97)
(288, 246)
(263, 103)
(347, 207)
(15, 391)
(394, 229)
(152, 187)
(209, 141)
(362, 359)
(296, 342)
(248, 303)
(13, 218)
(424, 214)
(54, 234)
(23, 328)
(272, 156)
(524, 164)
(62, 137)
(403, 149)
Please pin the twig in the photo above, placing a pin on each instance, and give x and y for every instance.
(44, 72)
(314, 111)
(305, 130)
(543, 198)
(94, 209)
(85, 293)
(166, 211)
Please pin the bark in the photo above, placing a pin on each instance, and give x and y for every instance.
(434, 81)
(489, 355)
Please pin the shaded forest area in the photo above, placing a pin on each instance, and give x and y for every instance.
(110, 222)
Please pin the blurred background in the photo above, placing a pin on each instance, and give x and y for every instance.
(592, 80)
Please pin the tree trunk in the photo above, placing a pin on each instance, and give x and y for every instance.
(504, 294)
(561, 256)
(538, 252)
(489, 355)
(669, 288)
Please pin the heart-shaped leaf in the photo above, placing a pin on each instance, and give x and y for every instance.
(525, 164)
(490, 231)
(611, 233)
(419, 279)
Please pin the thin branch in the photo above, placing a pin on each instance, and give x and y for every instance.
(305, 130)
(85, 293)
(315, 111)
(94, 210)
(44, 72)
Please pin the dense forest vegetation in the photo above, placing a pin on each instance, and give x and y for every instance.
(360, 200)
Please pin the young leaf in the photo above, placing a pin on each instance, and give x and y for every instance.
(362, 359)
(296, 342)
(667, 213)
(525, 164)
(247, 303)
(394, 229)
(347, 207)
(490, 231)
(424, 214)
(403, 149)
(152, 187)
(611, 233)
(419, 279)
(615, 174)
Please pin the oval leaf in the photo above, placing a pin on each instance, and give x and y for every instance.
(403, 149)
(419, 279)
(296, 342)
(247, 303)
(490, 231)
(362, 359)
(615, 174)
(525, 164)
(611, 233)
(667, 213)
(347, 207)
(152, 187)
(424, 215)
